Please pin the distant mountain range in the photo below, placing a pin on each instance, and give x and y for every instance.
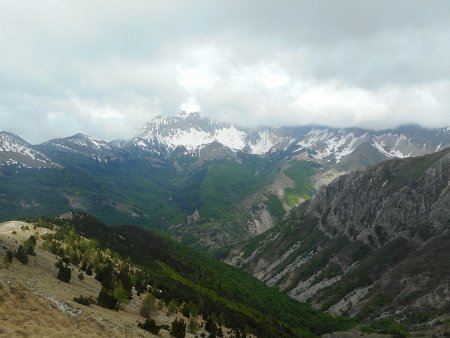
(207, 183)
(190, 134)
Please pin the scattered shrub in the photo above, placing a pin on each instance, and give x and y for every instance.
(120, 293)
(74, 259)
(178, 329)
(29, 245)
(9, 256)
(172, 307)
(64, 272)
(185, 310)
(150, 326)
(60, 252)
(193, 325)
(21, 255)
(89, 270)
(210, 326)
(106, 299)
(84, 300)
(390, 327)
(148, 306)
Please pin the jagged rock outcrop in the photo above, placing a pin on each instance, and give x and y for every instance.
(373, 243)
(387, 201)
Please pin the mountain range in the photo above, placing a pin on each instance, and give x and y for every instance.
(207, 183)
(190, 134)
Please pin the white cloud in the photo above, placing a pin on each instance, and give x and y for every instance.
(190, 106)
(196, 78)
(106, 68)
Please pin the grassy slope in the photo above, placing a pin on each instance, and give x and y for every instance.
(217, 191)
(300, 172)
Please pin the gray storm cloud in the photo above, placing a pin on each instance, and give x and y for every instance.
(106, 67)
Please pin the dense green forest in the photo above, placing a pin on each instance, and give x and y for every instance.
(140, 194)
(157, 195)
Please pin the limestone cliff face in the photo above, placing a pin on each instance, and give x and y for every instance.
(400, 198)
(373, 243)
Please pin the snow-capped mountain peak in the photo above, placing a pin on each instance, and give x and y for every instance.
(87, 141)
(194, 132)
(195, 135)
(82, 144)
(15, 151)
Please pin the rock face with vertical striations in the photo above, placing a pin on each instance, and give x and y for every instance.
(387, 200)
(372, 243)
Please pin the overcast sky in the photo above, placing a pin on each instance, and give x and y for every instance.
(105, 67)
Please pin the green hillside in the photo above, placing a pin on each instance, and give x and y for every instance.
(300, 172)
(222, 292)
(159, 195)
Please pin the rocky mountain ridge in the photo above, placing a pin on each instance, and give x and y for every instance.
(15, 151)
(192, 135)
(371, 244)
(379, 204)
(84, 145)
(323, 144)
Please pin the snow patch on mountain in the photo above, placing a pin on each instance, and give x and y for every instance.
(16, 151)
(265, 142)
(231, 138)
(313, 137)
(189, 134)
(81, 141)
(331, 143)
(83, 145)
(191, 139)
(393, 149)
(194, 132)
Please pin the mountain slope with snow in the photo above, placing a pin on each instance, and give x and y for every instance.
(193, 132)
(81, 145)
(192, 135)
(14, 151)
